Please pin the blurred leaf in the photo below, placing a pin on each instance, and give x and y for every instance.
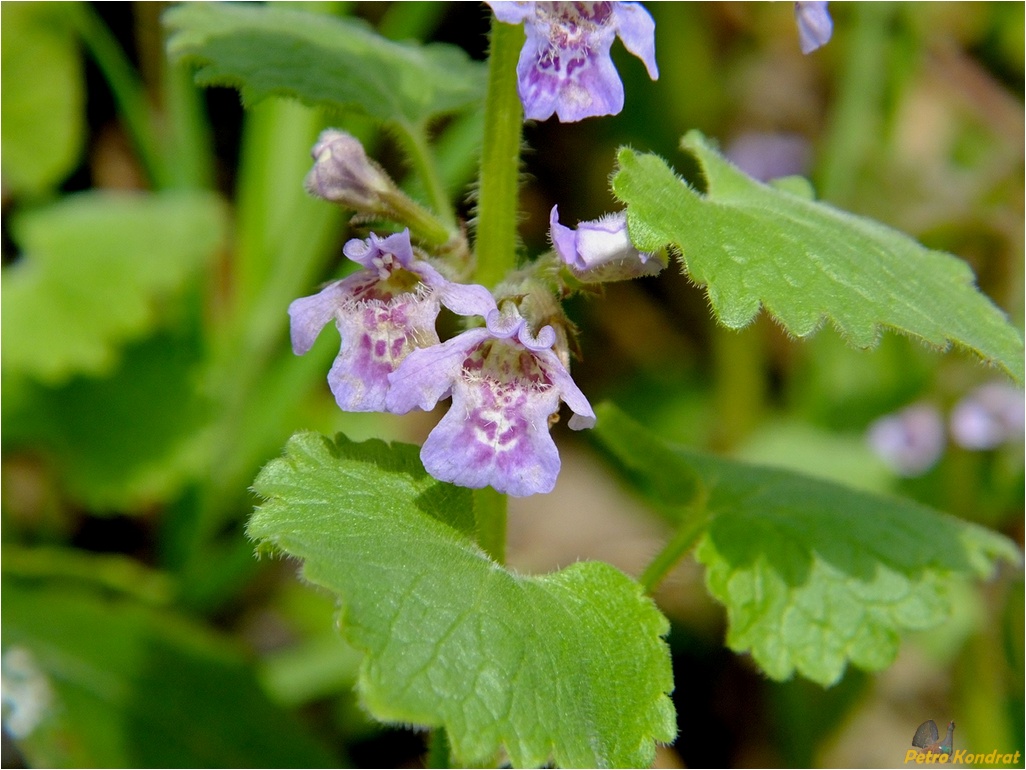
(322, 666)
(338, 63)
(568, 665)
(96, 681)
(93, 269)
(42, 100)
(844, 458)
(752, 245)
(814, 574)
(111, 571)
(124, 441)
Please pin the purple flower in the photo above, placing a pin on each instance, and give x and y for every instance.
(505, 387)
(814, 25)
(910, 441)
(382, 313)
(565, 67)
(989, 416)
(601, 250)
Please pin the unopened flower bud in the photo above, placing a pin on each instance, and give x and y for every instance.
(343, 173)
(601, 250)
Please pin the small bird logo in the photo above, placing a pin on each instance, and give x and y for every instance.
(927, 739)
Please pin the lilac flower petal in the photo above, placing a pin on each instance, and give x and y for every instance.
(467, 299)
(814, 25)
(505, 323)
(511, 12)
(572, 80)
(379, 254)
(564, 67)
(505, 384)
(592, 89)
(538, 79)
(495, 436)
(601, 250)
(636, 29)
(584, 415)
(542, 341)
(308, 315)
(564, 239)
(605, 240)
(376, 338)
(461, 298)
(426, 375)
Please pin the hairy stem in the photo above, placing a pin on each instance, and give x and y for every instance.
(500, 159)
(677, 548)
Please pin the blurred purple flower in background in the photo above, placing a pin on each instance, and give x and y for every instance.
(991, 415)
(910, 441)
(814, 25)
(505, 385)
(565, 67)
(601, 249)
(382, 313)
(765, 156)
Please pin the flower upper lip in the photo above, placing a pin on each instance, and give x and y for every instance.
(565, 68)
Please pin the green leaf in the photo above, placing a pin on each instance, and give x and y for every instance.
(338, 63)
(93, 680)
(569, 666)
(755, 245)
(93, 271)
(671, 484)
(42, 101)
(125, 442)
(814, 574)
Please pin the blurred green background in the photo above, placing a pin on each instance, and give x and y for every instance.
(154, 234)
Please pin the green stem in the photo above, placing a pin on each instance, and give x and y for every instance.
(127, 90)
(490, 515)
(683, 540)
(193, 167)
(854, 128)
(500, 159)
(739, 365)
(114, 572)
(439, 755)
(435, 231)
(497, 222)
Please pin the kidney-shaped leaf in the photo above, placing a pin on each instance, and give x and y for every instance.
(814, 574)
(339, 63)
(43, 95)
(92, 679)
(753, 245)
(94, 270)
(568, 666)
